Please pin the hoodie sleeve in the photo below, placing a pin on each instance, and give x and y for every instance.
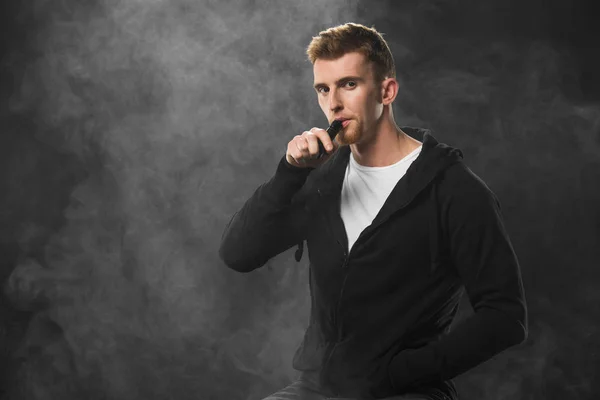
(270, 222)
(487, 265)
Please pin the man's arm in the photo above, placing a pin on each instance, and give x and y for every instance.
(271, 221)
(487, 264)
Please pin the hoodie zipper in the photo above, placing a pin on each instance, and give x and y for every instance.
(345, 269)
(336, 312)
(337, 325)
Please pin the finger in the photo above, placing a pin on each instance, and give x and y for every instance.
(303, 145)
(294, 149)
(313, 145)
(300, 158)
(330, 144)
(325, 139)
(297, 158)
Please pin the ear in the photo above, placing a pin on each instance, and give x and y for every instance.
(389, 90)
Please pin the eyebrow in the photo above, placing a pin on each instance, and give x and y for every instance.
(345, 78)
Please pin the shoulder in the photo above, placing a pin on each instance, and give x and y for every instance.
(459, 183)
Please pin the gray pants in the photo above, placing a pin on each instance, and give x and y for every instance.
(306, 388)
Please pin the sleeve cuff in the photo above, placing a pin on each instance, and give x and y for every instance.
(286, 166)
(290, 174)
(288, 180)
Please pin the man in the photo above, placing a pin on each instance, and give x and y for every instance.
(395, 229)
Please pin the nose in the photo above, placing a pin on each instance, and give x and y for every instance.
(335, 104)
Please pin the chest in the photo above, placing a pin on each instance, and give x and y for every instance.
(397, 249)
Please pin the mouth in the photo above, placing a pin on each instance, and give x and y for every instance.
(345, 121)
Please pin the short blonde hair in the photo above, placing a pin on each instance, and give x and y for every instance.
(351, 37)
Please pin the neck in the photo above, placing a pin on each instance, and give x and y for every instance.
(387, 145)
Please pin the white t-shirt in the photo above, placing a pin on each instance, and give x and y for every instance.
(364, 191)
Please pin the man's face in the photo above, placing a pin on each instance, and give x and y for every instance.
(346, 89)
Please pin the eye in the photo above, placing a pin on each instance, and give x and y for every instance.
(321, 90)
(352, 82)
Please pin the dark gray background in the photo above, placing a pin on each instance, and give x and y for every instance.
(132, 130)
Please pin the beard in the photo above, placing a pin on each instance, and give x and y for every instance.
(350, 134)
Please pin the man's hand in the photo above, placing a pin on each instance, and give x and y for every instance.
(303, 150)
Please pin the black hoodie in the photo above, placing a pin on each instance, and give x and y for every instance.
(381, 315)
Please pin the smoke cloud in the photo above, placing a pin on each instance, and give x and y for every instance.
(164, 106)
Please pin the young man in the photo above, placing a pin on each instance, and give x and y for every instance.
(396, 229)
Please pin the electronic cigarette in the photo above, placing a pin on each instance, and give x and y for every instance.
(333, 130)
